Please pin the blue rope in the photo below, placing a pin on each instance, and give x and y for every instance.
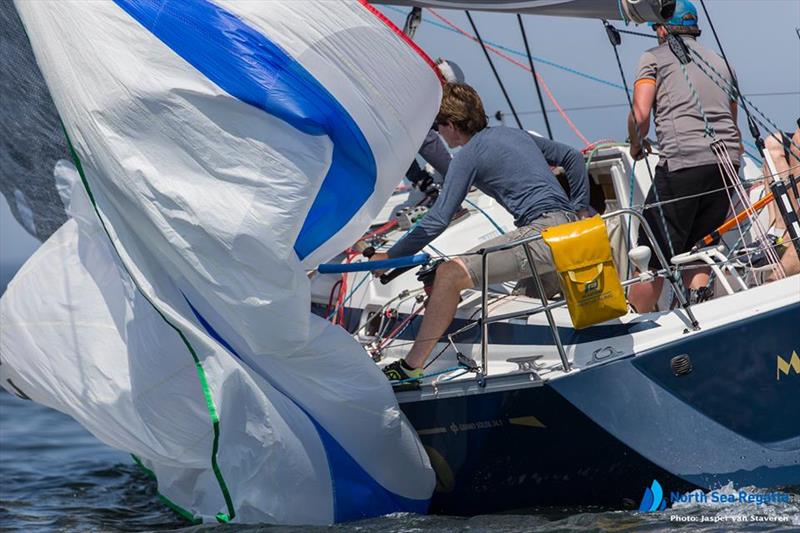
(487, 215)
(350, 294)
(709, 130)
(622, 12)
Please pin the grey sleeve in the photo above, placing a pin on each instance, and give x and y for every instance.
(648, 67)
(434, 151)
(559, 154)
(461, 174)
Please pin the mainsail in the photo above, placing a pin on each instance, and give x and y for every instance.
(637, 11)
(223, 148)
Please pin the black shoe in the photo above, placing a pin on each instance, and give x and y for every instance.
(399, 371)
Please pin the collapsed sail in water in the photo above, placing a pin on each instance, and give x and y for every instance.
(224, 148)
(637, 11)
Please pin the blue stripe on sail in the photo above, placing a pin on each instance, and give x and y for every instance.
(250, 67)
(356, 494)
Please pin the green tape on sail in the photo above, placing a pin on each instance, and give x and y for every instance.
(209, 400)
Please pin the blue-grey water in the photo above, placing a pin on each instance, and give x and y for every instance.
(55, 476)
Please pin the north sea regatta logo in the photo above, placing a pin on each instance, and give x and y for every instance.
(653, 499)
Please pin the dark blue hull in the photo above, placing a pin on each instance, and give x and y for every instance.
(601, 435)
(528, 447)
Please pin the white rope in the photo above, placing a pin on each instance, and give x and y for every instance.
(728, 171)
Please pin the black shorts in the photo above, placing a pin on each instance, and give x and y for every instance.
(690, 218)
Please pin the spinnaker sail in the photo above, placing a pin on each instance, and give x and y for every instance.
(224, 148)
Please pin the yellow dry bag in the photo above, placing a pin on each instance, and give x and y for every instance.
(585, 266)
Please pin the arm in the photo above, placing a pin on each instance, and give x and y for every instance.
(559, 154)
(460, 176)
(435, 152)
(644, 97)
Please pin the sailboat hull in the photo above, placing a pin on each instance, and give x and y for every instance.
(601, 435)
(523, 448)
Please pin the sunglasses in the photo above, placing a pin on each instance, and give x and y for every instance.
(436, 125)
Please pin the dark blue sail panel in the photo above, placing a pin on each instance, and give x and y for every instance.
(252, 68)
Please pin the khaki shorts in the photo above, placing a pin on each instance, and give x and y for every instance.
(512, 264)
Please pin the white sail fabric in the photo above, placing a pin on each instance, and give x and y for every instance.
(637, 11)
(224, 148)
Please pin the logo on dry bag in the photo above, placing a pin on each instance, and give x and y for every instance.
(785, 366)
(591, 287)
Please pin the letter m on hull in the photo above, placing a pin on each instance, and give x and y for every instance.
(784, 366)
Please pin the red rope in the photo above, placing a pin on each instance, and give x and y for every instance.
(522, 66)
(592, 146)
(405, 38)
(390, 337)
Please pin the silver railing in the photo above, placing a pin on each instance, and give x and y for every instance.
(547, 307)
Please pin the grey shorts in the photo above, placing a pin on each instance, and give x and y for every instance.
(512, 264)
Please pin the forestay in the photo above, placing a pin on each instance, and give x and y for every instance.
(224, 148)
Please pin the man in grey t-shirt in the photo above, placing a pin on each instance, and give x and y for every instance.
(690, 112)
(511, 166)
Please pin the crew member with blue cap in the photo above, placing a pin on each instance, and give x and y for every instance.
(690, 112)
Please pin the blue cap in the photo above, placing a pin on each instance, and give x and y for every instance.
(685, 15)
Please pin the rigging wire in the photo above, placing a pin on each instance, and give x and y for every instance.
(726, 166)
(538, 59)
(510, 59)
(535, 79)
(494, 70)
(639, 33)
(732, 92)
(737, 94)
(615, 39)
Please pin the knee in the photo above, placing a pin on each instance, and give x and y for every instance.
(774, 145)
(453, 275)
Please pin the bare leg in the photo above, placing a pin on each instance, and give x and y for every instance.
(696, 278)
(794, 166)
(451, 278)
(789, 261)
(644, 296)
(775, 148)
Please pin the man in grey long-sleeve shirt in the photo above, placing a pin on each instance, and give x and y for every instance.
(511, 166)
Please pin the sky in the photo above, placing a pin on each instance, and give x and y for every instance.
(759, 36)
